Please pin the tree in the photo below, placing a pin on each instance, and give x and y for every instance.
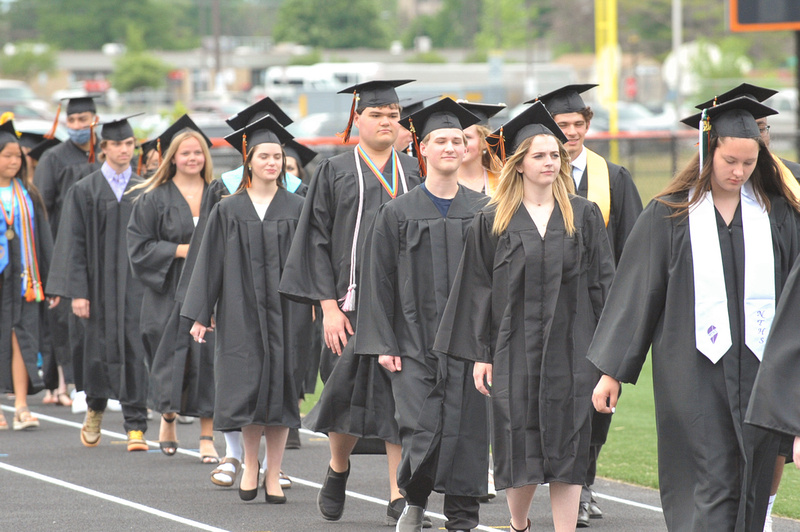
(28, 60)
(136, 68)
(512, 23)
(332, 24)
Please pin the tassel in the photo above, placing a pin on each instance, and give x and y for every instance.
(705, 134)
(141, 160)
(30, 295)
(91, 140)
(52, 133)
(158, 147)
(5, 117)
(345, 135)
(422, 166)
(349, 299)
(244, 148)
(501, 160)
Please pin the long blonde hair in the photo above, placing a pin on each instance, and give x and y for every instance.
(167, 169)
(508, 196)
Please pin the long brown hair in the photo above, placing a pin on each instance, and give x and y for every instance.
(167, 169)
(247, 173)
(508, 196)
(766, 179)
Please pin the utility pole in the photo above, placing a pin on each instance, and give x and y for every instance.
(216, 23)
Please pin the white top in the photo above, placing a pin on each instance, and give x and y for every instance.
(195, 219)
(579, 168)
(261, 209)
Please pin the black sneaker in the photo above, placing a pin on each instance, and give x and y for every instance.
(330, 499)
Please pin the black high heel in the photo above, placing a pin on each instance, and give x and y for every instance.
(249, 495)
(272, 499)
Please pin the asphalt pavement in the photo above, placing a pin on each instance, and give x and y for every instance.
(52, 482)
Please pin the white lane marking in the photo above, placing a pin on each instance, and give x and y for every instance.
(110, 498)
(316, 485)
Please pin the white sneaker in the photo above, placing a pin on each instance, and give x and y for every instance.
(78, 402)
(492, 492)
(768, 524)
(114, 405)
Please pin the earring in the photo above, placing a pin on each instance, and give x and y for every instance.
(250, 168)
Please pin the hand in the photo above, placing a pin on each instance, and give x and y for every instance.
(796, 453)
(605, 395)
(181, 251)
(482, 373)
(390, 362)
(80, 307)
(198, 331)
(336, 326)
(213, 324)
(52, 302)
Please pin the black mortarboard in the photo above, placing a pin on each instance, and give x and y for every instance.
(147, 146)
(754, 92)
(8, 133)
(443, 114)
(81, 104)
(303, 154)
(263, 130)
(38, 150)
(567, 99)
(376, 93)
(256, 111)
(30, 139)
(484, 111)
(535, 120)
(410, 106)
(119, 129)
(184, 122)
(734, 118)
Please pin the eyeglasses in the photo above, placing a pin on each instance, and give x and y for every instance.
(763, 130)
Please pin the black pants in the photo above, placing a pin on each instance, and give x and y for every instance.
(135, 417)
(462, 512)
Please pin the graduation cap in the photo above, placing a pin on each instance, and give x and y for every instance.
(30, 139)
(8, 133)
(38, 150)
(484, 111)
(79, 104)
(410, 106)
(567, 99)
(262, 131)
(258, 110)
(734, 118)
(375, 93)
(119, 129)
(183, 123)
(535, 120)
(753, 92)
(303, 154)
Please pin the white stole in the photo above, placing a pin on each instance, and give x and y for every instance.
(712, 323)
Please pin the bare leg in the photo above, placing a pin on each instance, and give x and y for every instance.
(519, 504)
(276, 443)
(207, 429)
(341, 447)
(780, 462)
(393, 455)
(251, 436)
(564, 500)
(19, 374)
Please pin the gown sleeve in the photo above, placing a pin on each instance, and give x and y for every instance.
(378, 285)
(151, 258)
(308, 276)
(205, 285)
(465, 329)
(636, 300)
(69, 276)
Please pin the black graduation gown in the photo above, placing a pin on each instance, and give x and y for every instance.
(93, 264)
(514, 304)
(23, 317)
(410, 261)
(714, 471)
(793, 167)
(181, 371)
(258, 332)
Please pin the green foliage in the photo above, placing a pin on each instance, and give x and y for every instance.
(28, 60)
(332, 24)
(454, 26)
(717, 76)
(427, 57)
(137, 70)
(311, 58)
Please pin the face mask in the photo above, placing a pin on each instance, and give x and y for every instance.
(79, 136)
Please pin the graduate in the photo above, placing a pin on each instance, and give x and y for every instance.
(26, 249)
(160, 229)
(94, 271)
(479, 171)
(408, 106)
(535, 259)
(298, 157)
(258, 332)
(698, 281)
(612, 188)
(342, 200)
(410, 260)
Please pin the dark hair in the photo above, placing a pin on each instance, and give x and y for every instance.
(247, 174)
(587, 113)
(766, 179)
(22, 175)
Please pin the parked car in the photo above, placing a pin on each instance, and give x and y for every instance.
(12, 90)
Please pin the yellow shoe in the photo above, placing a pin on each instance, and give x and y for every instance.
(90, 431)
(136, 441)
